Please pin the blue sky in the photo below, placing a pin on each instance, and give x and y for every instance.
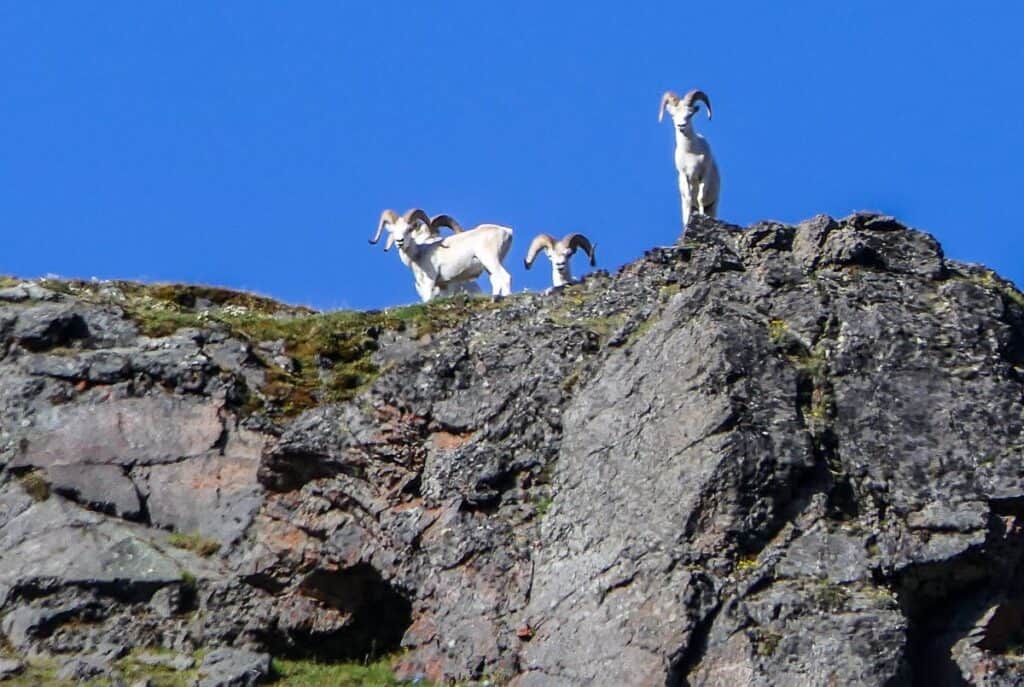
(254, 144)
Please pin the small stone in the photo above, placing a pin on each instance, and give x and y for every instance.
(10, 667)
(80, 669)
(166, 602)
(233, 668)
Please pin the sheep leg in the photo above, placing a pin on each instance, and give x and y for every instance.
(685, 195)
(501, 280)
(703, 206)
(426, 289)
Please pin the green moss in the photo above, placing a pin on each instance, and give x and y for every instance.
(990, 281)
(194, 542)
(331, 350)
(312, 674)
(188, 580)
(765, 641)
(641, 329)
(570, 380)
(746, 564)
(830, 597)
(38, 671)
(542, 505)
(777, 331)
(35, 485)
(57, 285)
(159, 676)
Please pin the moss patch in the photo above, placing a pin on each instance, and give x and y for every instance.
(312, 674)
(331, 351)
(35, 485)
(746, 564)
(765, 641)
(159, 676)
(194, 542)
(989, 280)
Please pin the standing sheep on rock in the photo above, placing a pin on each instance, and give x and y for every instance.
(425, 232)
(559, 252)
(452, 260)
(699, 182)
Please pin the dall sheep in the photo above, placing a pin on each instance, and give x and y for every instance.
(426, 233)
(699, 182)
(462, 257)
(558, 253)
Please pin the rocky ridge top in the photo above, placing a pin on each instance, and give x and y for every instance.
(732, 457)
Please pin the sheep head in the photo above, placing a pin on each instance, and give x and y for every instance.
(559, 252)
(414, 224)
(682, 109)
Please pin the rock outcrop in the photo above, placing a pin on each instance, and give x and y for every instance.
(773, 456)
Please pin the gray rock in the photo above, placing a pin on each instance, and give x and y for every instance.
(111, 651)
(42, 327)
(215, 496)
(28, 291)
(176, 662)
(233, 668)
(102, 487)
(718, 465)
(166, 602)
(9, 667)
(80, 669)
(138, 431)
(25, 624)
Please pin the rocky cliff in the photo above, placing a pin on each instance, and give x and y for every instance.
(772, 456)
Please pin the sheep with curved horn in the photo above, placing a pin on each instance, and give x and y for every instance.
(699, 181)
(447, 262)
(559, 252)
(425, 230)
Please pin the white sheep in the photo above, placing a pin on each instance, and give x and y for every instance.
(699, 183)
(426, 233)
(559, 252)
(452, 259)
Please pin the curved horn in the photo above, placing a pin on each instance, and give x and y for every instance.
(700, 97)
(540, 242)
(575, 241)
(416, 214)
(386, 217)
(668, 97)
(445, 221)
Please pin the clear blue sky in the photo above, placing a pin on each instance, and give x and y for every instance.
(254, 144)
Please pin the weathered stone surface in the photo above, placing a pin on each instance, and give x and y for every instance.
(9, 667)
(215, 496)
(233, 668)
(785, 455)
(144, 431)
(102, 487)
(80, 669)
(176, 662)
(42, 327)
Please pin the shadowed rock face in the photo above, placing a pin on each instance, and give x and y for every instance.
(773, 456)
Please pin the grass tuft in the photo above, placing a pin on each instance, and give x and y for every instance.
(292, 673)
(35, 485)
(194, 542)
